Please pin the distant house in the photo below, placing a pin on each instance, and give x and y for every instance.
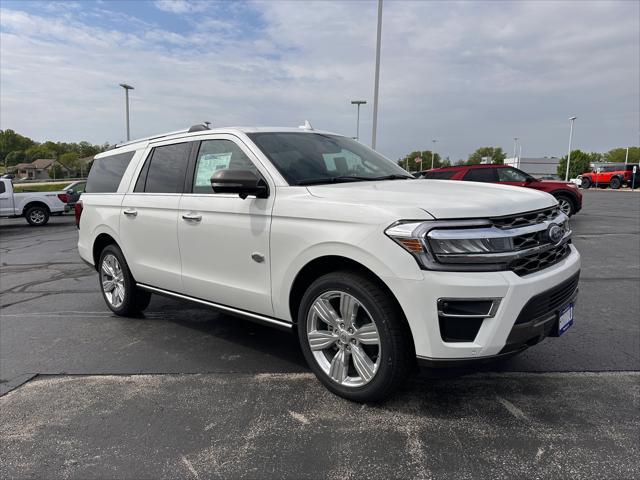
(40, 169)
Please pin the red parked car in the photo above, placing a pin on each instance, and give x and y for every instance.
(567, 193)
(613, 176)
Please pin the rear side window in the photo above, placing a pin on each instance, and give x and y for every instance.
(165, 169)
(2, 187)
(439, 175)
(481, 175)
(106, 173)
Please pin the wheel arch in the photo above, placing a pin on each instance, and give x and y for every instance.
(331, 263)
(101, 241)
(35, 203)
(570, 195)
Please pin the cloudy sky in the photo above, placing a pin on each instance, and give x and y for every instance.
(468, 74)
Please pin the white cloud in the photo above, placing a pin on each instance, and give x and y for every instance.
(469, 74)
(181, 6)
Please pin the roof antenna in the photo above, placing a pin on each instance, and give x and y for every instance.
(306, 126)
(207, 123)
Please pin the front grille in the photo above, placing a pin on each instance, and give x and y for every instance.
(540, 260)
(549, 301)
(528, 240)
(525, 219)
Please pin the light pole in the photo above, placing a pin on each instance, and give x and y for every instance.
(377, 77)
(358, 103)
(515, 148)
(126, 95)
(572, 119)
(433, 152)
(626, 157)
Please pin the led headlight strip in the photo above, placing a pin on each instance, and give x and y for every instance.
(469, 245)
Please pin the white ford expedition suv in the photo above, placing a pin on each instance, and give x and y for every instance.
(313, 231)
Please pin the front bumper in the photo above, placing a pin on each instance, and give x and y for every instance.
(418, 299)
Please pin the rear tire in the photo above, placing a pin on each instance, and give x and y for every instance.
(118, 286)
(37, 215)
(615, 183)
(364, 356)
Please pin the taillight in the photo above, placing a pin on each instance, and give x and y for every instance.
(78, 211)
(63, 197)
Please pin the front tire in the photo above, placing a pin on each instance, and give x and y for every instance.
(37, 215)
(566, 205)
(118, 286)
(354, 337)
(585, 183)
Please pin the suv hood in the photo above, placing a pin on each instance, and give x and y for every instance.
(439, 198)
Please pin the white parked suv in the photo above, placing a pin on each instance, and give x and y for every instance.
(313, 231)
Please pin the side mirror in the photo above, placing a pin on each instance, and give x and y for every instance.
(242, 182)
(529, 180)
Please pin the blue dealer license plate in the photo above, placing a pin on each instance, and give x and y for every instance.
(565, 319)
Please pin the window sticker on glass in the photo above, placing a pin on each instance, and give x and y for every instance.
(208, 164)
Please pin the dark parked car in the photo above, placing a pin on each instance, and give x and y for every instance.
(567, 193)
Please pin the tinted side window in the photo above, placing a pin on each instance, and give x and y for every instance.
(511, 175)
(439, 175)
(2, 187)
(217, 155)
(106, 173)
(481, 175)
(166, 167)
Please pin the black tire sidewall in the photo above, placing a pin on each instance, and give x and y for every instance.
(378, 388)
(129, 305)
(45, 212)
(586, 183)
(615, 183)
(566, 198)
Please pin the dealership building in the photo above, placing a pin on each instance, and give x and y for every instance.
(539, 166)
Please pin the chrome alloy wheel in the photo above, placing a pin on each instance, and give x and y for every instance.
(344, 339)
(37, 216)
(112, 279)
(565, 206)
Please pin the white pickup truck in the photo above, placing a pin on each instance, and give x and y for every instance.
(36, 207)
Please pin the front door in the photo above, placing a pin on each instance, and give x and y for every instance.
(149, 217)
(224, 240)
(6, 199)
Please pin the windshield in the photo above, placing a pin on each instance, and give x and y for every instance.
(314, 158)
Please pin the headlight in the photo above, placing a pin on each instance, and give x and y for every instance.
(475, 245)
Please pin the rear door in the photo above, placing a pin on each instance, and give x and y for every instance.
(482, 174)
(224, 240)
(149, 217)
(6, 198)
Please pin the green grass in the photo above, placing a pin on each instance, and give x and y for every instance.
(49, 187)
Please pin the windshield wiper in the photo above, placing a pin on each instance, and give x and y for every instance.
(350, 178)
(338, 179)
(393, 177)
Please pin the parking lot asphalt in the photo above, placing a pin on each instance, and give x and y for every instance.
(185, 391)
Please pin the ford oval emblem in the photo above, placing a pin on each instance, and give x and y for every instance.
(555, 233)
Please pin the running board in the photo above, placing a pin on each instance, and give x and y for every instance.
(234, 311)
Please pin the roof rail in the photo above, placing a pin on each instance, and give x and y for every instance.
(198, 127)
(146, 139)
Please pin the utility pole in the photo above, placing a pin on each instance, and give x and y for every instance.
(126, 95)
(377, 78)
(626, 157)
(572, 119)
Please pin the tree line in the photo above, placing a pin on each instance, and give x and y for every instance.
(580, 160)
(16, 148)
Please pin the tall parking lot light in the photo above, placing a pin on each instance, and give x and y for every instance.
(572, 119)
(126, 95)
(433, 152)
(358, 103)
(377, 78)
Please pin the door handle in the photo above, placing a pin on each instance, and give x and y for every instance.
(192, 217)
(130, 212)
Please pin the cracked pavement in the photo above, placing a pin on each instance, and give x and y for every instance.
(188, 392)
